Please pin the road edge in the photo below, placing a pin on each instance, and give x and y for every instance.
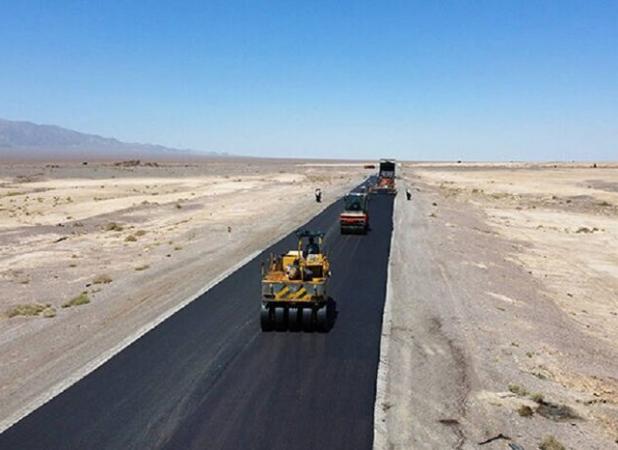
(380, 428)
(97, 362)
(109, 354)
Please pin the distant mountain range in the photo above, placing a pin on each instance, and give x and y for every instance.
(29, 140)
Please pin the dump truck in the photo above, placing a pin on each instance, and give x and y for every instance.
(355, 215)
(386, 178)
(294, 287)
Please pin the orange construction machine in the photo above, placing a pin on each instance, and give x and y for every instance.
(355, 215)
(386, 178)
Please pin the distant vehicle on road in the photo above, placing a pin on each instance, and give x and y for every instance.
(369, 166)
(386, 178)
(355, 215)
(294, 287)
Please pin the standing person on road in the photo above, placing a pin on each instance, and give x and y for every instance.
(318, 195)
(408, 194)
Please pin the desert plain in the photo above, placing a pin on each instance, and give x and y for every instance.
(90, 253)
(501, 322)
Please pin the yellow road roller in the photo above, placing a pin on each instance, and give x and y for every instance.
(294, 287)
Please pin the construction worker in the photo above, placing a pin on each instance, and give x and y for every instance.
(318, 195)
(312, 248)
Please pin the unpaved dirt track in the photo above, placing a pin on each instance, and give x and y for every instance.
(208, 378)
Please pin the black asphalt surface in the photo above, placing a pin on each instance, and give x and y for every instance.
(208, 378)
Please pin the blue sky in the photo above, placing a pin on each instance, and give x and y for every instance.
(472, 80)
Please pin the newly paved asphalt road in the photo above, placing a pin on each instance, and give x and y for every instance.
(208, 378)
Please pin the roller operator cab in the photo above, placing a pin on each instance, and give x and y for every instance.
(355, 215)
(294, 287)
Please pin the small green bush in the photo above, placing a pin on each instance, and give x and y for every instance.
(81, 299)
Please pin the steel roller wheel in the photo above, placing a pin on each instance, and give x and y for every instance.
(266, 322)
(307, 319)
(323, 318)
(294, 318)
(280, 322)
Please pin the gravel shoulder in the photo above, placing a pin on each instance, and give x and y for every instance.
(481, 351)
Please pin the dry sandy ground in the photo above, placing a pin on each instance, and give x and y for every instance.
(90, 254)
(503, 310)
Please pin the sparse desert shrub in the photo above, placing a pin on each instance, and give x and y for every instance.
(556, 411)
(81, 299)
(525, 411)
(140, 268)
(130, 238)
(586, 230)
(551, 443)
(49, 312)
(537, 397)
(102, 279)
(113, 226)
(540, 375)
(178, 206)
(31, 309)
(517, 389)
(140, 233)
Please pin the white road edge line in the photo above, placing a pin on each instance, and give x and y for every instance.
(97, 362)
(380, 427)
